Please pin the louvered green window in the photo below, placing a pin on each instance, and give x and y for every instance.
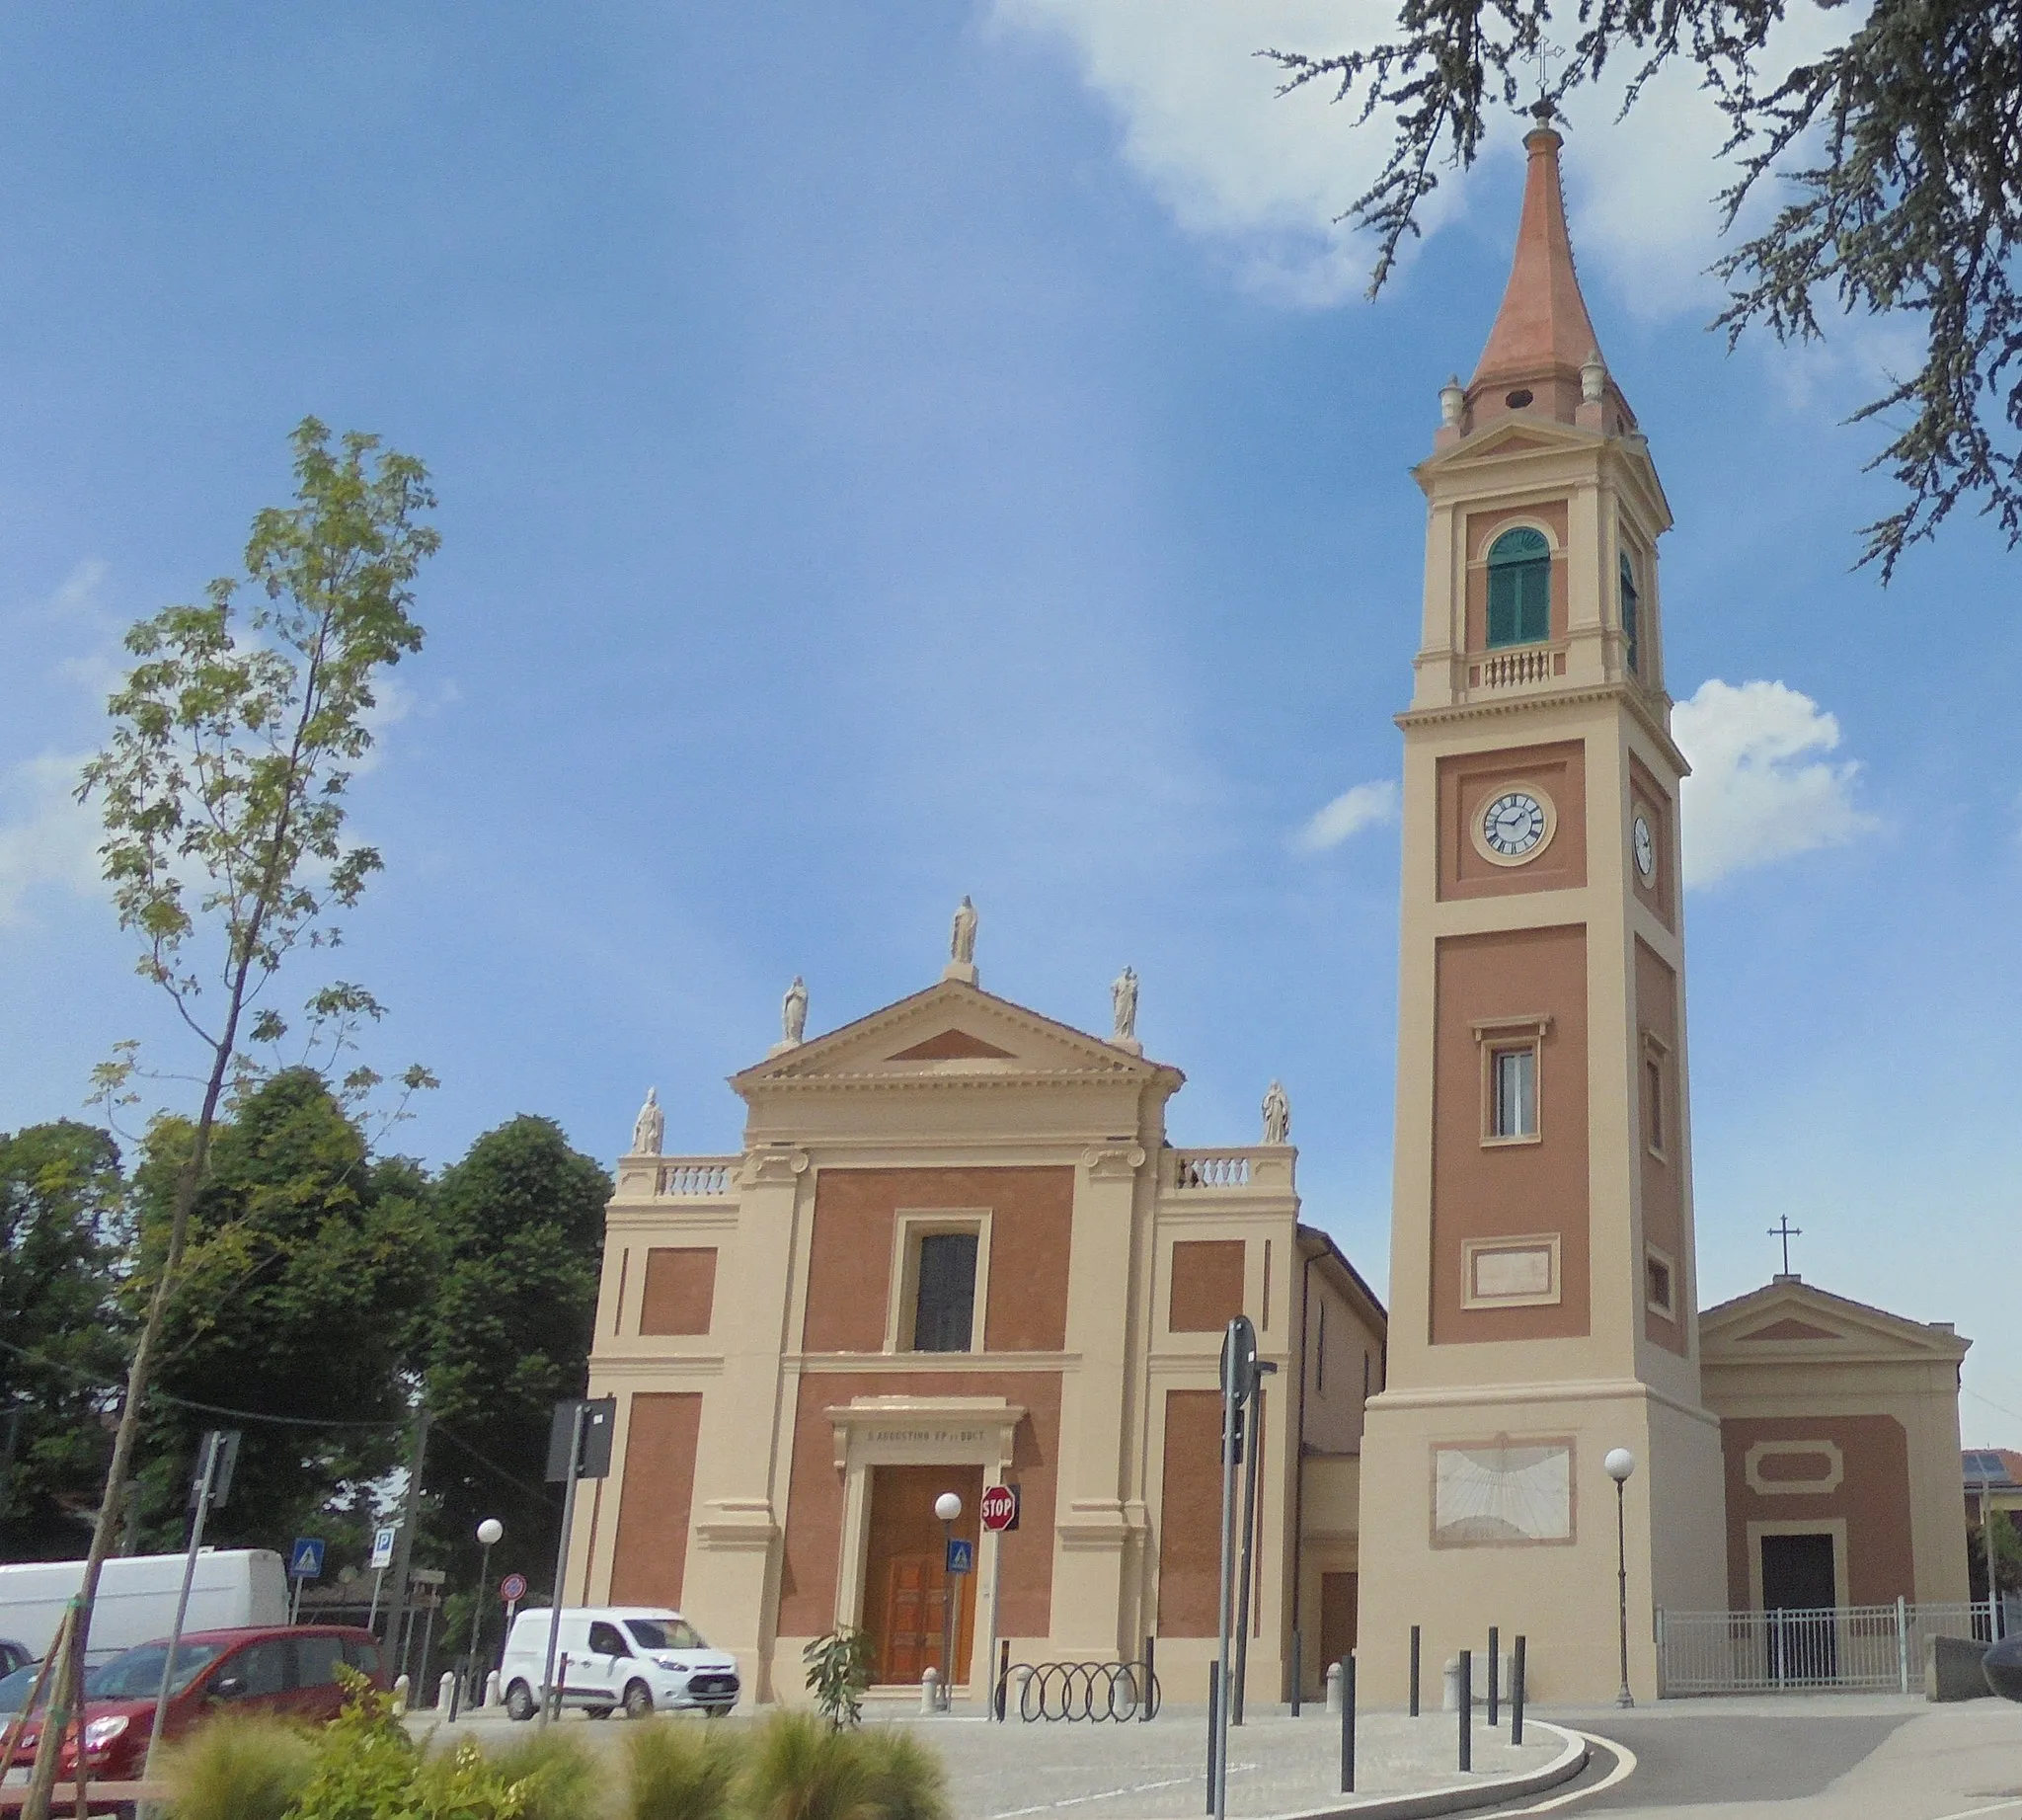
(1519, 588)
(1630, 629)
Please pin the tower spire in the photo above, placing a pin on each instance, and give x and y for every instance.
(1543, 337)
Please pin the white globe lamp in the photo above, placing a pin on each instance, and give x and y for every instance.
(1618, 1464)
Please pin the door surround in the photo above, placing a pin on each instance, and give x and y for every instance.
(1834, 1527)
(913, 1431)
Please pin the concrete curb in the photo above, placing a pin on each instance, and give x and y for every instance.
(1457, 1797)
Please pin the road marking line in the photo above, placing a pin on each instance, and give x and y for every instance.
(1625, 1767)
(1106, 1794)
(1968, 1814)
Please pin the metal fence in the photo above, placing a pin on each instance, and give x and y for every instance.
(1851, 1649)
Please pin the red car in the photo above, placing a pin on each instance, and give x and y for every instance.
(289, 1671)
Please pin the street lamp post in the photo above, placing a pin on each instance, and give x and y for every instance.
(489, 1533)
(948, 1507)
(1619, 1464)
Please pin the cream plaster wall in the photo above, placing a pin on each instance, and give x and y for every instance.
(1608, 1387)
(1060, 1098)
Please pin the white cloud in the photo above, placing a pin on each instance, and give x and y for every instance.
(1203, 126)
(47, 837)
(1759, 792)
(1366, 806)
(1266, 177)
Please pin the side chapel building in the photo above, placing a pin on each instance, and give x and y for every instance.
(957, 1250)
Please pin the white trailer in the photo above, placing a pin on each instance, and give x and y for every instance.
(137, 1600)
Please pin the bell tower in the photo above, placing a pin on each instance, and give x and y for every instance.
(1542, 1273)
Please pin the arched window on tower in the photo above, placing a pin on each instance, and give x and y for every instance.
(1631, 629)
(1519, 588)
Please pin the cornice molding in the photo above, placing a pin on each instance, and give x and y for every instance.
(1022, 1077)
(1631, 696)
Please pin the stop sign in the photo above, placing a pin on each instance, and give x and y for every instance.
(1001, 1508)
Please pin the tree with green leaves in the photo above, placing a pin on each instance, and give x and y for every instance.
(222, 793)
(62, 1234)
(520, 1221)
(1899, 155)
(306, 1261)
(2008, 1555)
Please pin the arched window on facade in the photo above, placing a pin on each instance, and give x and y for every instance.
(1519, 588)
(1631, 629)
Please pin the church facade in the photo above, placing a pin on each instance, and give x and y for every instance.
(956, 1249)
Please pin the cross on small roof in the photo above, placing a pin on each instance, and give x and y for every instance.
(1784, 1231)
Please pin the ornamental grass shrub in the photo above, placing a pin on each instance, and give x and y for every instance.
(797, 1767)
(365, 1766)
(557, 1776)
(683, 1772)
(238, 1767)
(907, 1779)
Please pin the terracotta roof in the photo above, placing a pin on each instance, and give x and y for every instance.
(1542, 325)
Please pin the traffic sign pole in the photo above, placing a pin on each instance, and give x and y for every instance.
(1000, 1517)
(305, 1562)
(382, 1558)
(219, 1446)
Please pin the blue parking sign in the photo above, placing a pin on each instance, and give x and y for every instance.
(305, 1558)
(961, 1556)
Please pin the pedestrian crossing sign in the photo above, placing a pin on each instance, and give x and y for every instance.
(305, 1558)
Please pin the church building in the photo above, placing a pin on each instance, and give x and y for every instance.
(956, 1251)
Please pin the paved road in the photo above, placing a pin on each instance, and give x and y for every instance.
(1821, 1760)
(1153, 1772)
(1844, 1758)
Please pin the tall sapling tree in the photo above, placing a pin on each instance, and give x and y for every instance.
(222, 797)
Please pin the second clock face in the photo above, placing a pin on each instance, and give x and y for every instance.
(1514, 824)
(1646, 849)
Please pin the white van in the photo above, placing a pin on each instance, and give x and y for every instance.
(232, 1588)
(631, 1656)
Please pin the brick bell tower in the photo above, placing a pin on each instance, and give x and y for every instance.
(1543, 1274)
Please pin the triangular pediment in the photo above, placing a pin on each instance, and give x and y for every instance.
(952, 1029)
(1793, 1319)
(1789, 1328)
(1512, 436)
(1483, 459)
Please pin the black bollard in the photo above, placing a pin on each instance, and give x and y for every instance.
(1467, 1704)
(1150, 1680)
(1516, 1690)
(1495, 1672)
(1413, 1671)
(1213, 1725)
(1298, 1667)
(1347, 1723)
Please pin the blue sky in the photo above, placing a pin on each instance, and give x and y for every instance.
(893, 452)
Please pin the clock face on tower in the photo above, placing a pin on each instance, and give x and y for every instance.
(1646, 850)
(1514, 824)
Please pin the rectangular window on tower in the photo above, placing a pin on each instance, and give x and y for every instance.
(1652, 1094)
(1515, 1110)
(1660, 1283)
(1512, 1068)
